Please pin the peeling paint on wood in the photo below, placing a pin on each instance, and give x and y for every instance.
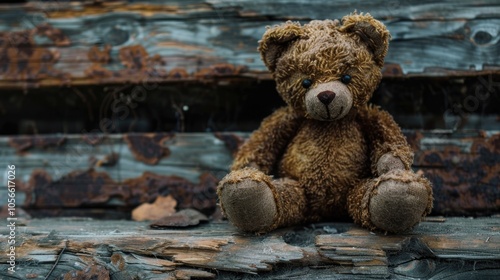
(116, 171)
(201, 196)
(122, 171)
(464, 181)
(199, 36)
(131, 250)
(148, 148)
(86, 188)
(24, 143)
(22, 59)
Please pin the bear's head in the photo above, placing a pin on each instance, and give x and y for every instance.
(324, 69)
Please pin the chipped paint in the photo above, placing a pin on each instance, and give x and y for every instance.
(22, 59)
(75, 189)
(148, 148)
(465, 181)
(221, 69)
(201, 196)
(24, 143)
(85, 188)
(180, 35)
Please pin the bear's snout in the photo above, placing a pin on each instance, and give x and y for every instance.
(326, 97)
(328, 101)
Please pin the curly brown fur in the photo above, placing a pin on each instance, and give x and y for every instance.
(333, 154)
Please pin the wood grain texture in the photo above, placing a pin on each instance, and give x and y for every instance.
(102, 175)
(84, 42)
(456, 248)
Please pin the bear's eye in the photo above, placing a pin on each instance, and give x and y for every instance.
(307, 83)
(345, 79)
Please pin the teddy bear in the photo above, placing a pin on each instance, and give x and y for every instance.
(328, 154)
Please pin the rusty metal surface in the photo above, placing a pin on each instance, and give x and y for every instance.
(149, 148)
(465, 176)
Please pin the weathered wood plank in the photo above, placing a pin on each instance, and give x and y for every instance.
(126, 249)
(203, 40)
(60, 174)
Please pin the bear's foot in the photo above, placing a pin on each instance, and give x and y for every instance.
(400, 201)
(248, 201)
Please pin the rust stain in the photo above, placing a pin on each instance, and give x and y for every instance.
(138, 63)
(97, 71)
(232, 142)
(95, 272)
(221, 69)
(93, 138)
(193, 274)
(99, 57)
(91, 188)
(184, 46)
(38, 178)
(73, 190)
(102, 7)
(178, 73)
(464, 183)
(54, 34)
(118, 261)
(108, 160)
(201, 196)
(22, 59)
(24, 143)
(149, 148)
(95, 54)
(136, 59)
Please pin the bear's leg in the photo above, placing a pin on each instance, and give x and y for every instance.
(253, 202)
(394, 202)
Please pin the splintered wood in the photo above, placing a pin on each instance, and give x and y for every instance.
(83, 248)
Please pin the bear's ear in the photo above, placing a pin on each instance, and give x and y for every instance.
(275, 40)
(370, 31)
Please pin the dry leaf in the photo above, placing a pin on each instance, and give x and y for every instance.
(183, 218)
(163, 206)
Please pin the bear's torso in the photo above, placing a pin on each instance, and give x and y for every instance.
(329, 158)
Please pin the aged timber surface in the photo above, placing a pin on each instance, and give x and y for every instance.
(102, 42)
(453, 248)
(106, 175)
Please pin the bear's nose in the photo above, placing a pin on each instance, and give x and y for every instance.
(326, 97)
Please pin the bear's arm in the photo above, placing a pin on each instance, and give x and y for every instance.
(267, 143)
(384, 136)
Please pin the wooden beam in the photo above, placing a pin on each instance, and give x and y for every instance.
(107, 175)
(454, 248)
(84, 43)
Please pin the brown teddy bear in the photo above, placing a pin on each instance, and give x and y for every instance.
(331, 153)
